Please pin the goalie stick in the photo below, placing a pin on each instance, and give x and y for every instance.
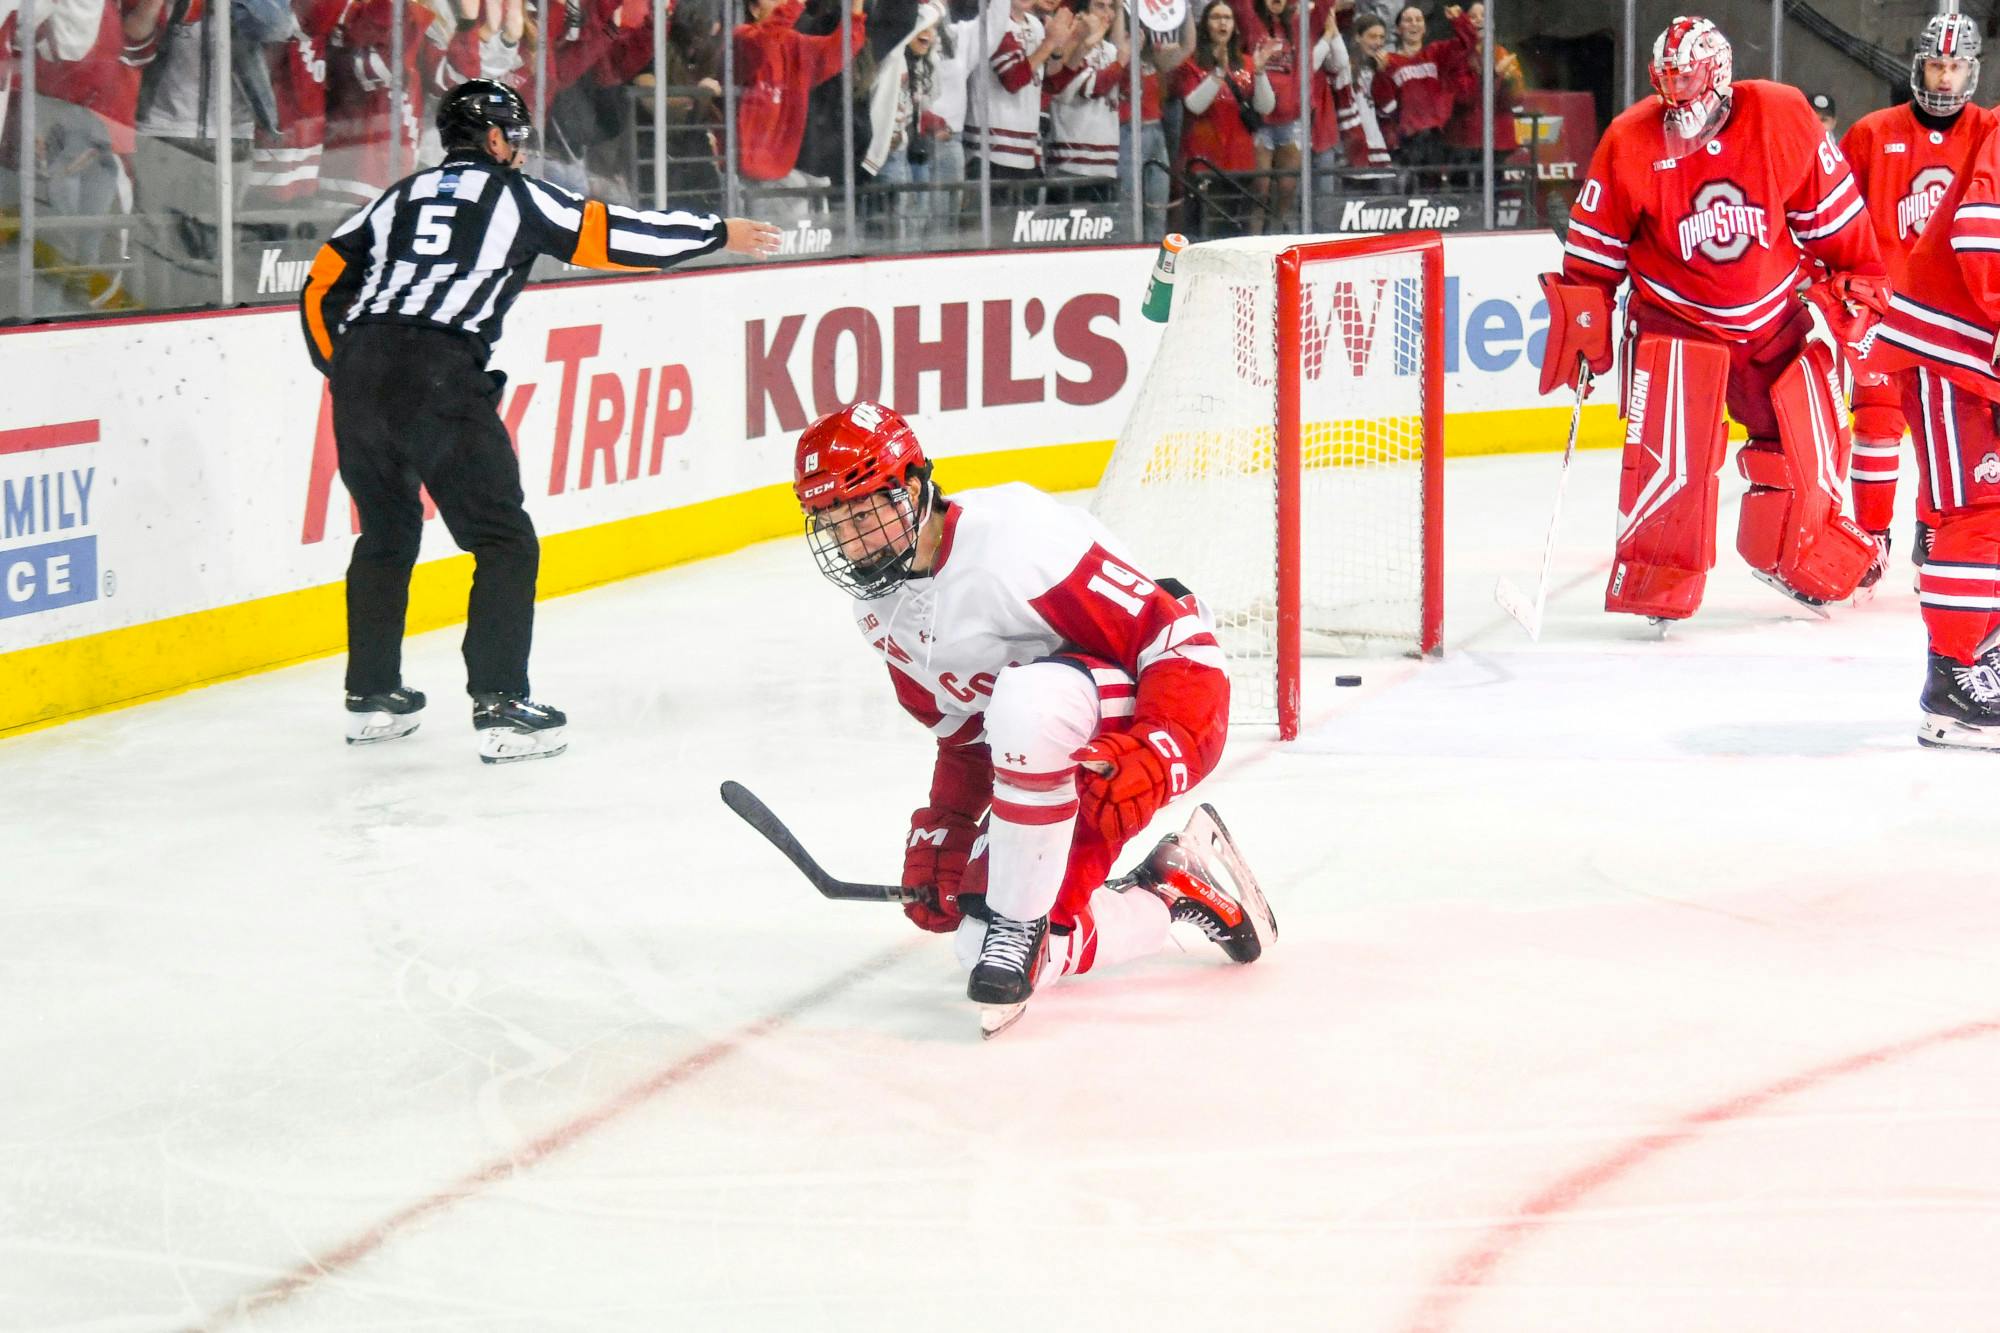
(759, 816)
(1512, 600)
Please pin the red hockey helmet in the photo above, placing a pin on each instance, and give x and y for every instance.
(1692, 70)
(864, 484)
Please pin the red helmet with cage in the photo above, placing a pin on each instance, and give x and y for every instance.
(864, 484)
(1692, 70)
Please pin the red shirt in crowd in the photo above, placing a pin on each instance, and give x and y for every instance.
(1217, 135)
(1419, 92)
(777, 67)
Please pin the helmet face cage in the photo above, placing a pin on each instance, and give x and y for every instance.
(887, 531)
(860, 474)
(1692, 70)
(1946, 37)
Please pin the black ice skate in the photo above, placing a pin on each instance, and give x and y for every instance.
(1202, 879)
(1962, 704)
(1010, 963)
(1816, 605)
(385, 716)
(512, 728)
(1879, 565)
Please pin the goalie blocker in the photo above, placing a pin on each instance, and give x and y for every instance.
(1785, 390)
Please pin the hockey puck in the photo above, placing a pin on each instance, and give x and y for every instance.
(1347, 680)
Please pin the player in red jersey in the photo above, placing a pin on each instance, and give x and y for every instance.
(1714, 200)
(1071, 697)
(1904, 159)
(1945, 331)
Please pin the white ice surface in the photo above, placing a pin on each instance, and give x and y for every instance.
(1624, 985)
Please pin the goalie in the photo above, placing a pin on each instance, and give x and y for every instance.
(1070, 695)
(1715, 200)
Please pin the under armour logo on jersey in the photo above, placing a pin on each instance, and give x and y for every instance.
(1021, 760)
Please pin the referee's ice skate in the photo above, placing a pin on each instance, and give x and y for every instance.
(513, 728)
(384, 716)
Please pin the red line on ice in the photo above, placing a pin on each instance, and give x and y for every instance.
(330, 1263)
(1475, 1267)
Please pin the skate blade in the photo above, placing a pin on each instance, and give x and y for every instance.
(1206, 830)
(1943, 733)
(1773, 582)
(995, 1019)
(374, 728)
(500, 746)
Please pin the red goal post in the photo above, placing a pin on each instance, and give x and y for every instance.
(1284, 456)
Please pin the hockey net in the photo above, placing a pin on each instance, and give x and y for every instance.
(1284, 456)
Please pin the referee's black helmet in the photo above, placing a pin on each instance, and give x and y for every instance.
(477, 105)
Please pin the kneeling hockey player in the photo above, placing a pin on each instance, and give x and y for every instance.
(1071, 697)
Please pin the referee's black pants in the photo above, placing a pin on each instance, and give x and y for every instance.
(410, 406)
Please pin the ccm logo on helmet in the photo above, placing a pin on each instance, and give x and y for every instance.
(821, 489)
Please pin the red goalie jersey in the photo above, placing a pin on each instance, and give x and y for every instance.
(1721, 236)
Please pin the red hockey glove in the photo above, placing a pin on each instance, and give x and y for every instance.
(1579, 330)
(939, 845)
(1852, 303)
(1148, 766)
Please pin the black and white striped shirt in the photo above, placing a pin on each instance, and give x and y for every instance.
(451, 247)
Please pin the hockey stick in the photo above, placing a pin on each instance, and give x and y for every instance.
(758, 816)
(1512, 600)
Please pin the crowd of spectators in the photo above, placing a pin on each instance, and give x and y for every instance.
(329, 103)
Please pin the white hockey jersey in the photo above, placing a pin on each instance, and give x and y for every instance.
(1019, 576)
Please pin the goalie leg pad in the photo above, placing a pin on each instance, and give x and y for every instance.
(1959, 586)
(1791, 523)
(1667, 492)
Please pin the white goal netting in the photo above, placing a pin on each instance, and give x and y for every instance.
(1193, 483)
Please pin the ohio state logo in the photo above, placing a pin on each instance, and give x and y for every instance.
(1988, 471)
(1722, 224)
(1913, 210)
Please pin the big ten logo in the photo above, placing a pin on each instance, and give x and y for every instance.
(850, 357)
(613, 428)
(38, 503)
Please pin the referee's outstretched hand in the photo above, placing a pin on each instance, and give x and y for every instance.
(747, 236)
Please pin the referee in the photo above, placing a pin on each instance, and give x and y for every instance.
(403, 306)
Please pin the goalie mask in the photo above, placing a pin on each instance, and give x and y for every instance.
(1952, 40)
(865, 486)
(1691, 71)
